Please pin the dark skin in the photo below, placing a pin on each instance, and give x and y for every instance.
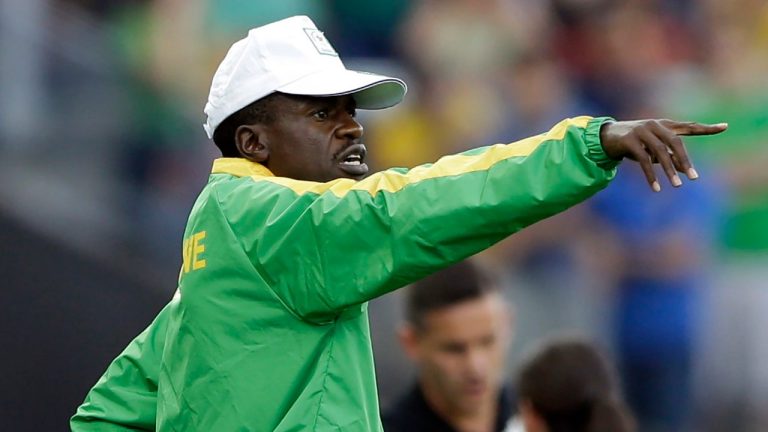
(309, 140)
(319, 139)
(655, 141)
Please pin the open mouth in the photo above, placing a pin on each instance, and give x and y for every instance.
(351, 160)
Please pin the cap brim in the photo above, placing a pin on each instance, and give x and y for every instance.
(371, 91)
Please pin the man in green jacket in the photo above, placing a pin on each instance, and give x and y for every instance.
(289, 239)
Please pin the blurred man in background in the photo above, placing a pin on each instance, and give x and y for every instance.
(457, 331)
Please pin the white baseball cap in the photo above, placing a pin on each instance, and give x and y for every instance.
(291, 56)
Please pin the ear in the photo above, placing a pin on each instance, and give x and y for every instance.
(252, 142)
(409, 340)
(531, 419)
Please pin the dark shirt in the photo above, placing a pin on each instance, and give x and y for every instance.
(412, 413)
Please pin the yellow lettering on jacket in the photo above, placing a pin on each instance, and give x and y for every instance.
(192, 249)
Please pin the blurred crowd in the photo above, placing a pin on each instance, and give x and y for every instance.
(101, 145)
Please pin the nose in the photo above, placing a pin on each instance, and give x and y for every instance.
(350, 128)
(476, 362)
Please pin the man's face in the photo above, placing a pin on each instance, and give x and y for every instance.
(460, 351)
(316, 139)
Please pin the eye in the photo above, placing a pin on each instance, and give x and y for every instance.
(488, 341)
(321, 114)
(352, 112)
(453, 348)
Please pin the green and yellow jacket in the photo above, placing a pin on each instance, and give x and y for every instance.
(269, 327)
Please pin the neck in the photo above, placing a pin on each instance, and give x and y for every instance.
(480, 419)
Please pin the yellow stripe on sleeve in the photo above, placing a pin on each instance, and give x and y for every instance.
(392, 181)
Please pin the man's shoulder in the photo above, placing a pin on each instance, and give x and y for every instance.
(410, 412)
(393, 417)
(396, 417)
(235, 191)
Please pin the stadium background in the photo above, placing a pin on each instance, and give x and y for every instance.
(102, 153)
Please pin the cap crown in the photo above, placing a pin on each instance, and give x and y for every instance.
(270, 57)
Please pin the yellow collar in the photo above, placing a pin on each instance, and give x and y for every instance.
(240, 167)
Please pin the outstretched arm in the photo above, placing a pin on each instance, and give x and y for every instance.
(325, 246)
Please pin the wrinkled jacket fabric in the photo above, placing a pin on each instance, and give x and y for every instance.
(269, 327)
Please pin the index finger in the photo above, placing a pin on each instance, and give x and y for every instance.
(693, 128)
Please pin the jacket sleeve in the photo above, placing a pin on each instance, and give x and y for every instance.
(325, 246)
(125, 397)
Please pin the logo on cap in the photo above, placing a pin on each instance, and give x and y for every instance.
(320, 42)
